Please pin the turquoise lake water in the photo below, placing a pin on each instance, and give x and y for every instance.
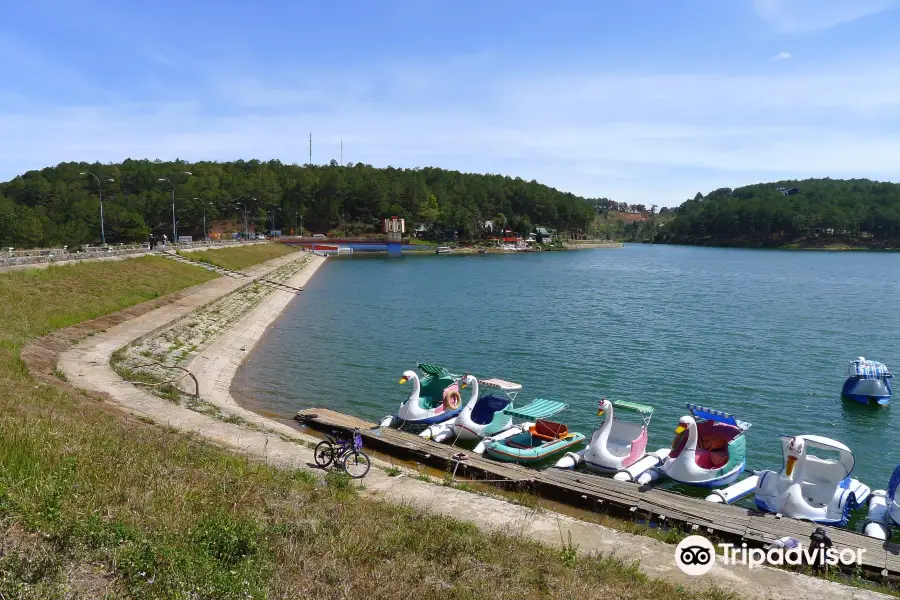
(766, 335)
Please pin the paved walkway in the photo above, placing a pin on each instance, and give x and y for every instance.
(86, 366)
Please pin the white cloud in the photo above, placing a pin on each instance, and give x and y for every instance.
(800, 16)
(654, 139)
(782, 56)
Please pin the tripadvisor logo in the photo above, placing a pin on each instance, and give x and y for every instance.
(695, 555)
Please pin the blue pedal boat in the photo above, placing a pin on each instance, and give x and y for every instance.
(869, 382)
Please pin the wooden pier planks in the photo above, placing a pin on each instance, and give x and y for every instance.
(724, 521)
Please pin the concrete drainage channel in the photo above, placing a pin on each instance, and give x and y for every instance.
(158, 361)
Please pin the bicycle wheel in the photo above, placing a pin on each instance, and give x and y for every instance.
(324, 454)
(356, 464)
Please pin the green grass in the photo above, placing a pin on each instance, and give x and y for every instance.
(38, 301)
(95, 505)
(241, 257)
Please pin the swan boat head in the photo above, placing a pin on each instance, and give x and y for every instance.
(795, 451)
(603, 406)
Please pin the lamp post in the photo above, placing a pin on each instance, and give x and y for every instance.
(174, 225)
(246, 231)
(205, 204)
(100, 187)
(273, 217)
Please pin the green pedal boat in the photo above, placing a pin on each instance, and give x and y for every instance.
(540, 441)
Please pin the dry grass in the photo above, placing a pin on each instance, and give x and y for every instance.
(241, 257)
(38, 301)
(95, 505)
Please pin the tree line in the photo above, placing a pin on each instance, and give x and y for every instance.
(810, 210)
(58, 205)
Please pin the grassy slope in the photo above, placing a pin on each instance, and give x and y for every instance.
(94, 505)
(241, 257)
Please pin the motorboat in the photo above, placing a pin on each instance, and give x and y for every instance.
(868, 382)
(616, 443)
(435, 398)
(815, 487)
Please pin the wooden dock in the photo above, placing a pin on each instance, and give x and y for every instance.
(723, 522)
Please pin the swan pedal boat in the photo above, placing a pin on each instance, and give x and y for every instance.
(615, 444)
(434, 399)
(884, 509)
(810, 487)
(709, 450)
(540, 441)
(482, 416)
(869, 382)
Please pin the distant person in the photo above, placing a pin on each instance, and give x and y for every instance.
(164, 240)
(152, 241)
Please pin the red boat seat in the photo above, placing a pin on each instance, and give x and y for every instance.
(548, 430)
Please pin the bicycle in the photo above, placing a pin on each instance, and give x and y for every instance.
(346, 454)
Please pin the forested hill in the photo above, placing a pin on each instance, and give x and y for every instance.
(57, 205)
(811, 212)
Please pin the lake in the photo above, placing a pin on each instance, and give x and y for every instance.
(766, 335)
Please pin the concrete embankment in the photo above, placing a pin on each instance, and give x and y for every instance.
(86, 365)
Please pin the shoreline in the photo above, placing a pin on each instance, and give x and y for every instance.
(86, 365)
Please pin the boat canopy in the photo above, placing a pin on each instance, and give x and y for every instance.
(501, 384)
(436, 371)
(711, 414)
(868, 369)
(641, 408)
(645, 411)
(538, 408)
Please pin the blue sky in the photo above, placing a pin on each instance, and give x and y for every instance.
(642, 101)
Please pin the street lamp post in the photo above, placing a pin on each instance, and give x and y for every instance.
(246, 231)
(205, 204)
(174, 224)
(100, 187)
(273, 217)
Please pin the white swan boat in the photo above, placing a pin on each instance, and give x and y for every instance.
(482, 415)
(616, 444)
(811, 487)
(434, 399)
(884, 509)
(490, 418)
(709, 450)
